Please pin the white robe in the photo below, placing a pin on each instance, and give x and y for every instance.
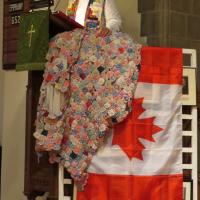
(113, 19)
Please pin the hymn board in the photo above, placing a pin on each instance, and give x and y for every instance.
(12, 11)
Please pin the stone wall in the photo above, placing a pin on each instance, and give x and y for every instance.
(171, 23)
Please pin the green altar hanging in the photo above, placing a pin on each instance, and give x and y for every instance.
(33, 41)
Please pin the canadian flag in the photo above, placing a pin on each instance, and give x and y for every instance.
(142, 159)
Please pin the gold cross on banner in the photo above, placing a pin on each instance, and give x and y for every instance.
(30, 33)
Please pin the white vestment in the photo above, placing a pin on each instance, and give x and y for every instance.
(113, 19)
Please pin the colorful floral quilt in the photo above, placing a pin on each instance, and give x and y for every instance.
(88, 87)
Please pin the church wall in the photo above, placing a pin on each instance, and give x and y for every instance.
(12, 128)
(13, 140)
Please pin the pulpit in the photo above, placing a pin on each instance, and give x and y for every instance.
(40, 176)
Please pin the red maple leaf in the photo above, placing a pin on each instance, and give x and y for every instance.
(127, 133)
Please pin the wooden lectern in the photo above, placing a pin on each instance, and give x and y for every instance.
(42, 177)
(39, 177)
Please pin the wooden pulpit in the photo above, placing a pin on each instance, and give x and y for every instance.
(40, 176)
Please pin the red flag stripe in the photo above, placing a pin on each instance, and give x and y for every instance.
(157, 62)
(119, 187)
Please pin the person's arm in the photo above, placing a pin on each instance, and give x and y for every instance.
(113, 19)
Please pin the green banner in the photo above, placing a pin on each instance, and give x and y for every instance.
(33, 41)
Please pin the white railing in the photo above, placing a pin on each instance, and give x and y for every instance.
(63, 183)
(191, 188)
